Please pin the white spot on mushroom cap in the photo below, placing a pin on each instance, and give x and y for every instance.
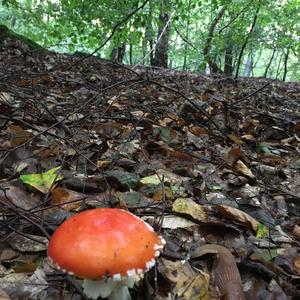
(140, 271)
(149, 226)
(131, 273)
(117, 277)
(163, 241)
(150, 264)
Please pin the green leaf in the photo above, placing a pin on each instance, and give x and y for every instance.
(261, 231)
(42, 182)
(263, 148)
(168, 135)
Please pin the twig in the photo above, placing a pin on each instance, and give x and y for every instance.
(246, 97)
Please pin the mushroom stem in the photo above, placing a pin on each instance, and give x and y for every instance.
(121, 293)
(108, 288)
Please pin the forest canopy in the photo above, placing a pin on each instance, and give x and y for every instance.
(232, 37)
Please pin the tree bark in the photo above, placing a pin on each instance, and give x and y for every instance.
(207, 47)
(228, 66)
(249, 65)
(131, 53)
(161, 50)
(187, 37)
(117, 54)
(286, 57)
(270, 62)
(279, 66)
(245, 43)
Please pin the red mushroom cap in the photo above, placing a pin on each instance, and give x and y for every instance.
(104, 242)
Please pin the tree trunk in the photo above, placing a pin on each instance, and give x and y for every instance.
(228, 66)
(187, 36)
(269, 64)
(161, 50)
(249, 65)
(286, 57)
(207, 47)
(130, 53)
(245, 43)
(279, 66)
(117, 54)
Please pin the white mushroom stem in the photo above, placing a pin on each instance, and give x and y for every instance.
(108, 288)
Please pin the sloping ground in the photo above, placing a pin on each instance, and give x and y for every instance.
(204, 160)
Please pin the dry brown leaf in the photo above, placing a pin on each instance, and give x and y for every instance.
(27, 82)
(18, 135)
(163, 193)
(235, 139)
(243, 169)
(226, 275)
(198, 131)
(238, 215)
(233, 155)
(3, 295)
(296, 231)
(272, 159)
(189, 284)
(297, 129)
(20, 286)
(67, 198)
(28, 243)
(14, 193)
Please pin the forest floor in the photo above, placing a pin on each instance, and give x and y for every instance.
(204, 160)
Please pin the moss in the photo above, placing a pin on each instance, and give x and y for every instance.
(5, 32)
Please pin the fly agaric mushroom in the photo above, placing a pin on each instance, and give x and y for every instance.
(110, 248)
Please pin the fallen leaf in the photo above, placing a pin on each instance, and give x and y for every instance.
(238, 215)
(226, 275)
(43, 182)
(167, 135)
(189, 284)
(189, 207)
(28, 242)
(235, 139)
(233, 155)
(3, 295)
(175, 222)
(20, 286)
(243, 169)
(62, 196)
(18, 135)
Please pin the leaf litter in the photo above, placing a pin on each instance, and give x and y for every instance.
(210, 162)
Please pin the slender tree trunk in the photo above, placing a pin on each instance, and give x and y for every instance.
(207, 46)
(285, 68)
(13, 22)
(279, 66)
(257, 60)
(161, 50)
(249, 64)
(245, 43)
(187, 36)
(228, 66)
(144, 47)
(269, 64)
(117, 54)
(130, 53)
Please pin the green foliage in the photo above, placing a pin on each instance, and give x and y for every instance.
(83, 25)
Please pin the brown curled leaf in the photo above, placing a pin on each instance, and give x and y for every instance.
(225, 273)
